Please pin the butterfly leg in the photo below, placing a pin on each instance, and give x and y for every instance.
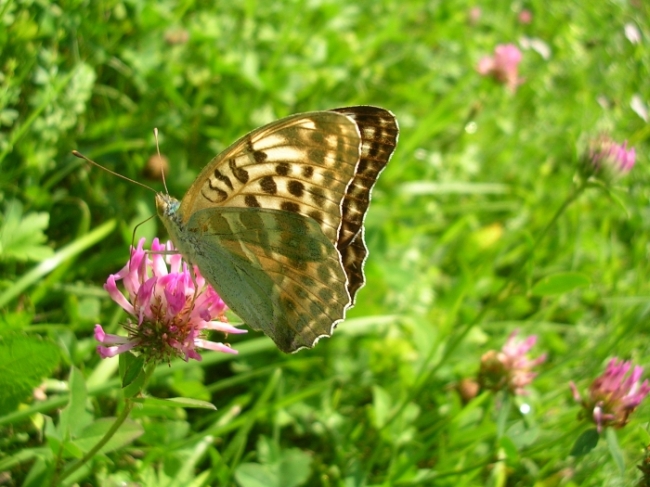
(196, 285)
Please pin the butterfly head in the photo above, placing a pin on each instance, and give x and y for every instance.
(167, 209)
(166, 205)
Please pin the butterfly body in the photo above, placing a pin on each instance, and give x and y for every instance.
(275, 222)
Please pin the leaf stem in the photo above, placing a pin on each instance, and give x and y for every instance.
(575, 193)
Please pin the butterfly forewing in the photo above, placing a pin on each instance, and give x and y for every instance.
(301, 164)
(275, 222)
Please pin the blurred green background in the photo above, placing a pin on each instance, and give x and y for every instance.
(478, 173)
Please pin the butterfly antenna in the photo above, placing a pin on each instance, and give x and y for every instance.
(133, 236)
(136, 228)
(155, 135)
(81, 156)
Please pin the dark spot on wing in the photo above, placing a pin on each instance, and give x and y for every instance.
(268, 185)
(238, 172)
(223, 178)
(290, 206)
(282, 169)
(318, 195)
(316, 215)
(221, 194)
(296, 188)
(259, 156)
(251, 201)
(317, 137)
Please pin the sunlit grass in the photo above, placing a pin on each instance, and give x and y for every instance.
(457, 257)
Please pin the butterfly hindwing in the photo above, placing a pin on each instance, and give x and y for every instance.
(284, 277)
(378, 130)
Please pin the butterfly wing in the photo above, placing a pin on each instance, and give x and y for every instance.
(302, 164)
(275, 269)
(307, 176)
(322, 165)
(379, 132)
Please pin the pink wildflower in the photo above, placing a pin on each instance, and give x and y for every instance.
(614, 395)
(503, 66)
(168, 314)
(607, 159)
(474, 15)
(510, 368)
(525, 16)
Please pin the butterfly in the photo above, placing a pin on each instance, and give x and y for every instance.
(275, 222)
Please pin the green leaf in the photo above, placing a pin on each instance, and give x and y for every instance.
(291, 470)
(21, 235)
(503, 413)
(22, 456)
(38, 474)
(586, 442)
(381, 405)
(255, 475)
(126, 434)
(522, 434)
(192, 388)
(130, 368)
(615, 449)
(133, 374)
(177, 402)
(509, 449)
(14, 322)
(52, 435)
(61, 255)
(294, 468)
(560, 283)
(643, 434)
(73, 415)
(24, 362)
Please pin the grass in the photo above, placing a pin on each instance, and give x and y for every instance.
(454, 266)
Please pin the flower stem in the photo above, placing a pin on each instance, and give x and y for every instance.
(575, 193)
(128, 406)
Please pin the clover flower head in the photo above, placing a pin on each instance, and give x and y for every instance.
(169, 308)
(503, 65)
(607, 159)
(511, 367)
(614, 395)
